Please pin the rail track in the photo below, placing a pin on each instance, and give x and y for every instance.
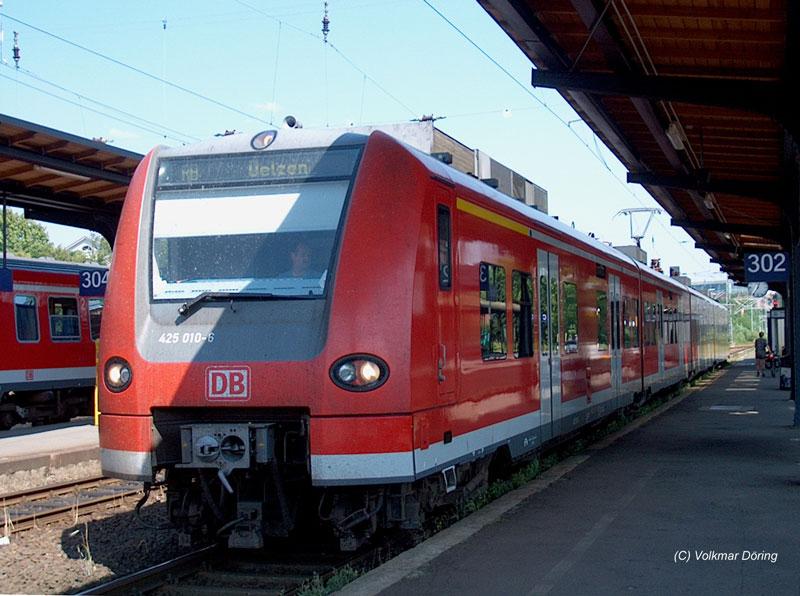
(739, 352)
(28, 509)
(213, 570)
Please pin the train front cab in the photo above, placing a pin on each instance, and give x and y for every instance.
(292, 353)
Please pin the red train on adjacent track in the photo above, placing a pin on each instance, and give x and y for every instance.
(318, 318)
(49, 319)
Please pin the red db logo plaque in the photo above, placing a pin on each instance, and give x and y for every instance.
(228, 383)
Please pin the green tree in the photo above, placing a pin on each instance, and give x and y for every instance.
(26, 238)
(59, 253)
(100, 252)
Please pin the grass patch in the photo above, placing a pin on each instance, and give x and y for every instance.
(321, 587)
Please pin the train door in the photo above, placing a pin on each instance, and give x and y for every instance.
(683, 332)
(549, 355)
(446, 312)
(659, 326)
(615, 306)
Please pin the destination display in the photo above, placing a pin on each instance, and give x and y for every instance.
(257, 168)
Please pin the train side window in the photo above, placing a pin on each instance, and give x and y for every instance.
(659, 312)
(646, 324)
(626, 330)
(634, 323)
(27, 321)
(443, 233)
(670, 325)
(95, 306)
(64, 320)
(544, 327)
(554, 318)
(570, 317)
(493, 311)
(602, 321)
(654, 330)
(522, 313)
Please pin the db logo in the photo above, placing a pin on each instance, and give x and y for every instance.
(228, 383)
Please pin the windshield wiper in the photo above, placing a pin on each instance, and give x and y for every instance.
(187, 308)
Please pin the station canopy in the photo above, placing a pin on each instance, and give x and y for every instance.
(695, 97)
(61, 178)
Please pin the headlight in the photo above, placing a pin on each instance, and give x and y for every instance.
(263, 139)
(359, 372)
(118, 374)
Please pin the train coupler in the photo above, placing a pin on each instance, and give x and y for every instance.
(226, 446)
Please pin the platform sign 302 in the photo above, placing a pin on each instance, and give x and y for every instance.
(766, 266)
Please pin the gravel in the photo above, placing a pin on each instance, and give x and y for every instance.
(27, 479)
(67, 557)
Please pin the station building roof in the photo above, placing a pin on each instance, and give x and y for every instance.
(61, 178)
(695, 98)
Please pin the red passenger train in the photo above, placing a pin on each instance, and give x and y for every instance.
(318, 320)
(49, 318)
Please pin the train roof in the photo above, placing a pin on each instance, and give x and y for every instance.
(546, 221)
(285, 139)
(300, 138)
(48, 265)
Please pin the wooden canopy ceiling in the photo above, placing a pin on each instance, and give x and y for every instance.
(61, 178)
(695, 97)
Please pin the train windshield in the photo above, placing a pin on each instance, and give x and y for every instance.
(249, 223)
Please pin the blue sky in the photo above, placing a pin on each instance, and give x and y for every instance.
(92, 68)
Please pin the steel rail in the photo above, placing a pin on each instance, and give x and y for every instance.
(52, 490)
(212, 570)
(18, 517)
(152, 578)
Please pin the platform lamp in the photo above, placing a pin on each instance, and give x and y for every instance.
(675, 135)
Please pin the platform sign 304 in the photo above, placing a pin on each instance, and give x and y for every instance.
(93, 282)
(766, 266)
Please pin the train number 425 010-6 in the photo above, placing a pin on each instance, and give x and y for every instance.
(185, 338)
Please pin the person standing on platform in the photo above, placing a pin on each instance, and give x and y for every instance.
(761, 353)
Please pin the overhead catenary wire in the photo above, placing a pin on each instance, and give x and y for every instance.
(82, 96)
(96, 111)
(136, 70)
(530, 93)
(335, 49)
(274, 103)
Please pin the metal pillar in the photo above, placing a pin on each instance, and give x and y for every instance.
(793, 308)
(5, 231)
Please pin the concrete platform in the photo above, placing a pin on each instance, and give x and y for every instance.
(701, 499)
(51, 446)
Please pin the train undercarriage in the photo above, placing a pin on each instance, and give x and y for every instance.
(45, 407)
(245, 482)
